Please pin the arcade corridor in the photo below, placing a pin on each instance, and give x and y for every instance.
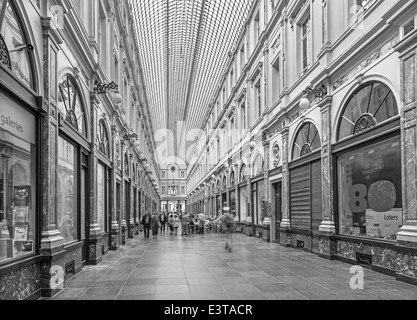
(198, 268)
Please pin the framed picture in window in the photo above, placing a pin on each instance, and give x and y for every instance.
(20, 214)
(21, 233)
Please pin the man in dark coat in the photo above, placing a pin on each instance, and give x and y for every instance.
(146, 222)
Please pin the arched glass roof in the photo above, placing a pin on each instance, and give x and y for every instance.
(184, 46)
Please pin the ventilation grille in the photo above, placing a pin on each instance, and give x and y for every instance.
(364, 260)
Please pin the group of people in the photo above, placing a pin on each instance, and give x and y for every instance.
(189, 224)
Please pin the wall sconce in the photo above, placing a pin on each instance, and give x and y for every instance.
(101, 88)
(320, 92)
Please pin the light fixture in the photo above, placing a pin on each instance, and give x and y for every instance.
(304, 103)
(101, 88)
(320, 92)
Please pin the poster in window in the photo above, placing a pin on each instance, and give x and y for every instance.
(21, 196)
(21, 233)
(20, 214)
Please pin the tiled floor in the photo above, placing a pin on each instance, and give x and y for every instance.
(198, 268)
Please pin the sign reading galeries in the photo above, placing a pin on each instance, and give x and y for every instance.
(15, 120)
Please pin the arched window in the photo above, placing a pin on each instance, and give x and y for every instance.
(103, 139)
(369, 106)
(243, 173)
(70, 104)
(14, 46)
(258, 165)
(224, 183)
(307, 141)
(126, 164)
(232, 179)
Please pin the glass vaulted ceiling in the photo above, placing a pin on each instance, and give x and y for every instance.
(184, 47)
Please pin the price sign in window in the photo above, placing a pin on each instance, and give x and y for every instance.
(370, 191)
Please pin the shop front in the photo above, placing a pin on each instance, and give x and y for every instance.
(368, 157)
(305, 189)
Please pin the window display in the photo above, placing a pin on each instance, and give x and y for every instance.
(101, 196)
(243, 196)
(67, 191)
(17, 181)
(370, 190)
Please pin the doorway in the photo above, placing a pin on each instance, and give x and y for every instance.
(278, 209)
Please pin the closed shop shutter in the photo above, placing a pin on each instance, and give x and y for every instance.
(300, 198)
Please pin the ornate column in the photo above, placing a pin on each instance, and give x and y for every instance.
(131, 199)
(327, 227)
(286, 222)
(52, 243)
(115, 228)
(94, 241)
(267, 184)
(407, 237)
(123, 197)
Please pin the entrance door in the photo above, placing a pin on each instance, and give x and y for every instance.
(278, 208)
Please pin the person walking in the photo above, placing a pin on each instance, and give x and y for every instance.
(163, 220)
(155, 225)
(176, 224)
(146, 222)
(201, 223)
(227, 225)
(171, 221)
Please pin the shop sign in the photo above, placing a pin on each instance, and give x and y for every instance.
(17, 121)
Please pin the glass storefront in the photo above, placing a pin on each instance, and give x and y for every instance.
(101, 197)
(67, 190)
(243, 196)
(17, 181)
(370, 190)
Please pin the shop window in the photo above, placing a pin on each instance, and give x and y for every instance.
(70, 104)
(243, 173)
(306, 142)
(14, 46)
(368, 107)
(67, 190)
(370, 191)
(244, 200)
(17, 183)
(369, 176)
(232, 179)
(103, 139)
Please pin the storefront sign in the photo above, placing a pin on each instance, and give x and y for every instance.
(16, 120)
(383, 225)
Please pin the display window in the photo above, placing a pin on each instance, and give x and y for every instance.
(369, 175)
(370, 191)
(243, 208)
(67, 190)
(18, 199)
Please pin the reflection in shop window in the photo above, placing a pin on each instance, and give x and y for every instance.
(67, 191)
(370, 191)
